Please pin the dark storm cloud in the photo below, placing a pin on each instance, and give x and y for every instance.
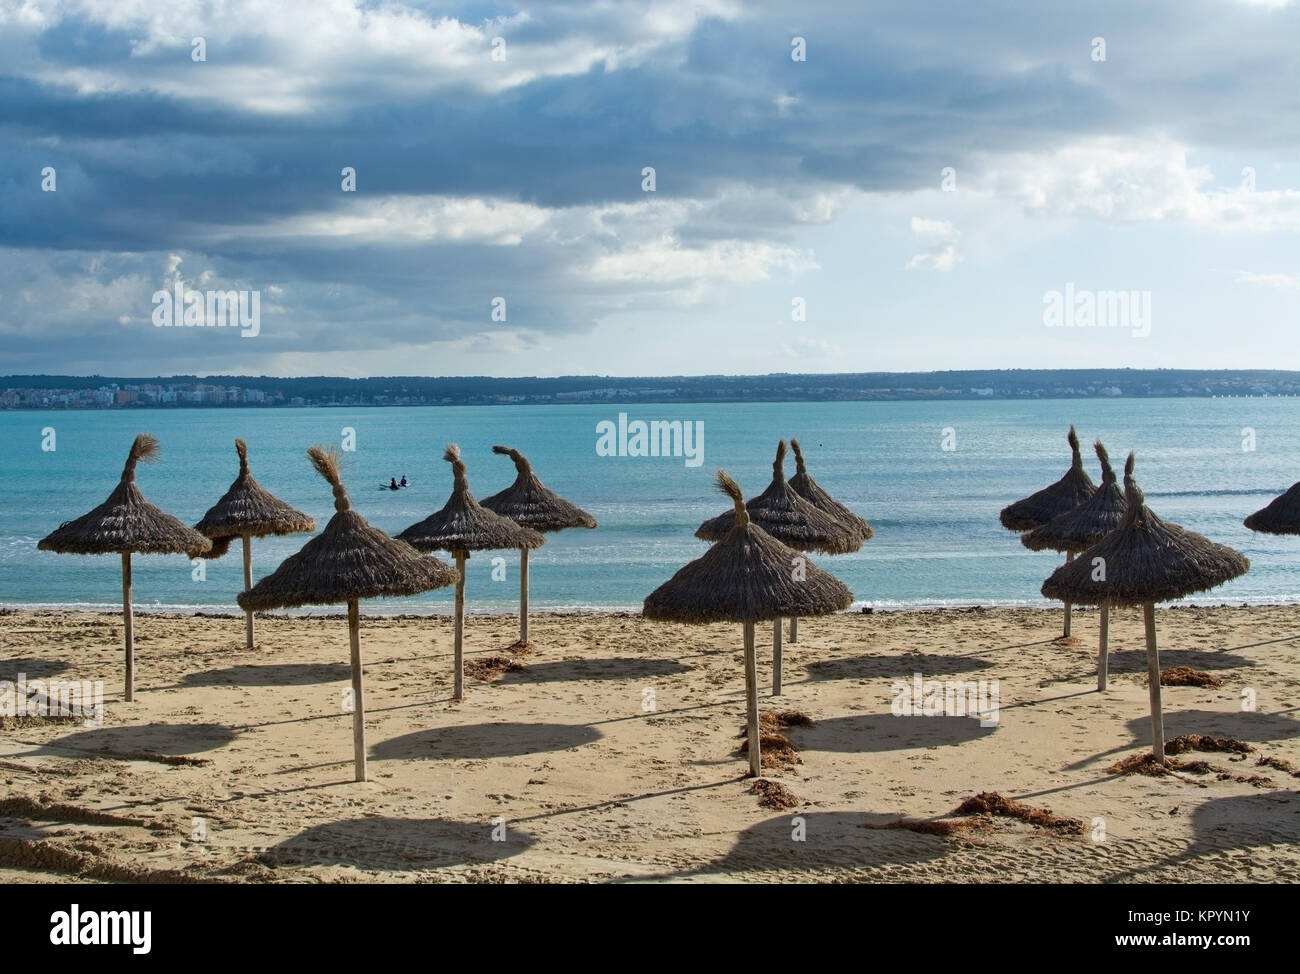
(151, 161)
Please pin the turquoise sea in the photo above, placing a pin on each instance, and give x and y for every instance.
(938, 540)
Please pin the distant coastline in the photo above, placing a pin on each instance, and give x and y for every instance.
(52, 392)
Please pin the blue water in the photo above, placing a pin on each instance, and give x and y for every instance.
(938, 540)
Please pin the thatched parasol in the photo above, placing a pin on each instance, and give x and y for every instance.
(789, 518)
(1083, 527)
(1038, 508)
(786, 516)
(1065, 495)
(124, 524)
(1144, 561)
(464, 525)
(1281, 516)
(531, 503)
(809, 490)
(247, 510)
(746, 577)
(350, 560)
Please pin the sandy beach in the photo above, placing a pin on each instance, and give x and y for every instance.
(611, 753)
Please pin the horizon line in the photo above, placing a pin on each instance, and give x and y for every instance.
(607, 375)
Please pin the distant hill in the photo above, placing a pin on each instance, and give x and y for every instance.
(62, 391)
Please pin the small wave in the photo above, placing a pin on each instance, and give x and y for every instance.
(377, 608)
(1215, 493)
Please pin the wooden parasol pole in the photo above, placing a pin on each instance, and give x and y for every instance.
(458, 693)
(1069, 557)
(248, 583)
(358, 703)
(523, 596)
(1103, 648)
(776, 657)
(1153, 680)
(794, 629)
(128, 626)
(751, 702)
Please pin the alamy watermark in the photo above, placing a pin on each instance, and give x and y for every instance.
(53, 698)
(948, 698)
(187, 308)
(657, 438)
(77, 927)
(1081, 308)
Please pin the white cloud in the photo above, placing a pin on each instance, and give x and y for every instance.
(661, 244)
(406, 220)
(810, 348)
(306, 46)
(932, 228)
(499, 342)
(1125, 180)
(569, 266)
(666, 262)
(39, 295)
(1281, 282)
(942, 257)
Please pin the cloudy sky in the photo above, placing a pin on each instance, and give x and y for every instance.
(919, 183)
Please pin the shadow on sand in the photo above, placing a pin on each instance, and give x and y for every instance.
(868, 733)
(620, 668)
(126, 743)
(33, 668)
(1135, 660)
(1243, 821)
(900, 666)
(1251, 726)
(830, 840)
(1236, 822)
(484, 741)
(270, 675)
(396, 844)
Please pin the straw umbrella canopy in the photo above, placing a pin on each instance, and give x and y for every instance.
(531, 503)
(811, 491)
(789, 518)
(461, 526)
(350, 560)
(127, 524)
(1066, 494)
(1040, 507)
(1083, 527)
(746, 577)
(1281, 516)
(248, 510)
(793, 521)
(1144, 561)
